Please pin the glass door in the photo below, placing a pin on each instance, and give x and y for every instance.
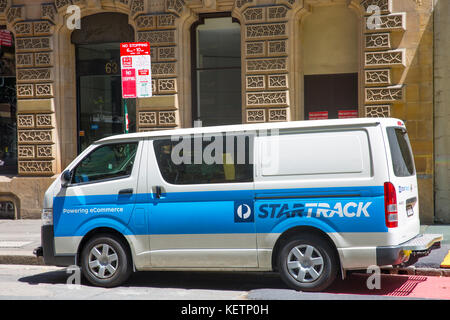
(101, 110)
(216, 73)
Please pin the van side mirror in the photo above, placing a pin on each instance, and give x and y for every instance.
(66, 177)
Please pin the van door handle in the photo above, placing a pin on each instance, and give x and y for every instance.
(158, 192)
(126, 191)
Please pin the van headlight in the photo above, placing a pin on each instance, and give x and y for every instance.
(47, 217)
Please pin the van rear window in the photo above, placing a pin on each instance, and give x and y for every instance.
(402, 158)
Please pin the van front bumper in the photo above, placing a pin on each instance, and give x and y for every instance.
(47, 250)
(421, 245)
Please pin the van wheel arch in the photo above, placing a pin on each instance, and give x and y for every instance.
(103, 231)
(295, 231)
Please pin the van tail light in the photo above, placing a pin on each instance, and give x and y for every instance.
(390, 205)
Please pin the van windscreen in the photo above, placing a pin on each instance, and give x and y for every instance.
(402, 159)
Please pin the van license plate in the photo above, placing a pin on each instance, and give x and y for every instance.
(409, 211)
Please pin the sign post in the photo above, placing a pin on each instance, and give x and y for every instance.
(135, 64)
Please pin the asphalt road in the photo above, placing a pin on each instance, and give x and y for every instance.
(50, 283)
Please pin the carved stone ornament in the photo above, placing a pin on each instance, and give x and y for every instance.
(377, 95)
(278, 114)
(36, 167)
(256, 115)
(381, 111)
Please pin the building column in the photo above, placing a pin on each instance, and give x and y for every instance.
(384, 60)
(36, 128)
(161, 111)
(265, 51)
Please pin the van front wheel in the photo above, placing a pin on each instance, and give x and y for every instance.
(105, 262)
(307, 263)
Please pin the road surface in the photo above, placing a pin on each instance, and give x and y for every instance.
(48, 283)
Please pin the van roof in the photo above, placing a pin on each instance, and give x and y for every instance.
(256, 127)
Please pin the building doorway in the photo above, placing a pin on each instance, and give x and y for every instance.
(100, 108)
(331, 62)
(216, 70)
(8, 104)
(331, 96)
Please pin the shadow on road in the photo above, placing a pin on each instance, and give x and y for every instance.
(355, 284)
(234, 281)
(51, 277)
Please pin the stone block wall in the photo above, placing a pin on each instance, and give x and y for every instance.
(36, 134)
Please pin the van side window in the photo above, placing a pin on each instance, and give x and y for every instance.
(197, 161)
(402, 159)
(106, 162)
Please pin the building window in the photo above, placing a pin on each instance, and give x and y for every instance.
(8, 102)
(101, 109)
(216, 70)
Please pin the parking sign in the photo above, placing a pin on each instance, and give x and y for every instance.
(135, 64)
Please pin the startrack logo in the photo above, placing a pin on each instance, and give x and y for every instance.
(316, 210)
(243, 211)
(278, 210)
(349, 210)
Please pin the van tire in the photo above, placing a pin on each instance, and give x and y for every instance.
(105, 261)
(316, 261)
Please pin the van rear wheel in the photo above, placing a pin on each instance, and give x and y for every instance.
(105, 262)
(307, 263)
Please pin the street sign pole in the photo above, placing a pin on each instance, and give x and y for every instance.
(125, 113)
(135, 64)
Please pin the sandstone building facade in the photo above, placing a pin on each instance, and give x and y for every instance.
(218, 61)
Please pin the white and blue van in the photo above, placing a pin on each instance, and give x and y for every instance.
(309, 199)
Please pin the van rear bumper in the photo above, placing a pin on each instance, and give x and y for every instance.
(48, 249)
(421, 245)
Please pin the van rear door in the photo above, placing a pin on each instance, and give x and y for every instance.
(403, 178)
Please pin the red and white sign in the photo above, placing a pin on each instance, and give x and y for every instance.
(347, 114)
(134, 48)
(128, 83)
(320, 115)
(127, 62)
(135, 56)
(5, 38)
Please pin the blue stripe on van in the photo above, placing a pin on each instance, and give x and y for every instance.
(210, 212)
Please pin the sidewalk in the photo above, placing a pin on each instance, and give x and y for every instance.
(18, 239)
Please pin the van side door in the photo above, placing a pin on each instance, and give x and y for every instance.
(201, 209)
(102, 192)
